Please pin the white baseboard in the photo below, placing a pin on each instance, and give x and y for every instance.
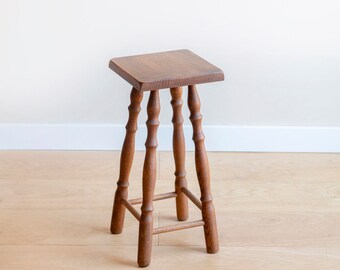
(218, 138)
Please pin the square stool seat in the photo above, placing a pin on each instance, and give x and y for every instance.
(165, 70)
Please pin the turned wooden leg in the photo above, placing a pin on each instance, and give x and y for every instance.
(149, 179)
(126, 158)
(203, 173)
(179, 154)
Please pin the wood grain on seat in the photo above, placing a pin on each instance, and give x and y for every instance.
(165, 70)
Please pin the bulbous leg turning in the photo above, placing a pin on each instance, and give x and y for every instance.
(178, 144)
(149, 179)
(203, 172)
(126, 158)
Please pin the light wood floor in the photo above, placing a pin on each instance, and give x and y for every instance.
(275, 211)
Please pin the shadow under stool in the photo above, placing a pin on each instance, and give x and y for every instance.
(151, 72)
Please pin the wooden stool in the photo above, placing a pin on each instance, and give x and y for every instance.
(151, 72)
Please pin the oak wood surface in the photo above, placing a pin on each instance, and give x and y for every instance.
(165, 70)
(168, 257)
(275, 211)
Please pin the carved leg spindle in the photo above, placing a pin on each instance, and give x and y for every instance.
(179, 154)
(203, 173)
(149, 179)
(126, 159)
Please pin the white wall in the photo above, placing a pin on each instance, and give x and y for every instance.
(281, 59)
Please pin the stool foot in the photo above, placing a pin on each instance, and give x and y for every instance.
(118, 214)
(149, 180)
(178, 143)
(203, 172)
(126, 158)
(145, 239)
(210, 227)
